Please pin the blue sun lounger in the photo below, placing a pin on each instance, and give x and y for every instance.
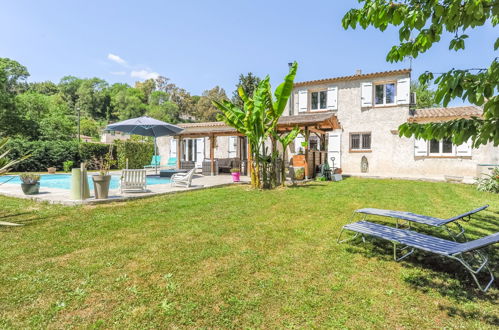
(422, 219)
(413, 240)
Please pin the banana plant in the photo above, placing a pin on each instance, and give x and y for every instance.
(258, 120)
(5, 163)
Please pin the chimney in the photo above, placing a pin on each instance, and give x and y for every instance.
(358, 72)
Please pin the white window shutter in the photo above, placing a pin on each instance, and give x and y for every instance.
(302, 101)
(403, 91)
(332, 98)
(334, 148)
(232, 146)
(366, 94)
(464, 150)
(199, 152)
(173, 148)
(420, 148)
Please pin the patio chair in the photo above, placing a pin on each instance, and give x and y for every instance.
(133, 180)
(422, 219)
(172, 162)
(413, 240)
(183, 179)
(155, 162)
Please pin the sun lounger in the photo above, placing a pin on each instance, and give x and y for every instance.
(183, 179)
(413, 240)
(422, 219)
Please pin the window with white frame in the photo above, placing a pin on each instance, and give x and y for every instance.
(318, 100)
(360, 141)
(384, 94)
(441, 148)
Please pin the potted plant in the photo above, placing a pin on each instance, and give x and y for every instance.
(67, 166)
(236, 174)
(299, 173)
(30, 183)
(102, 180)
(51, 170)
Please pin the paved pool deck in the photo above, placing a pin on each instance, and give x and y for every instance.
(62, 196)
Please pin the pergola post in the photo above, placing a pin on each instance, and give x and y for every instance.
(179, 151)
(212, 154)
(307, 135)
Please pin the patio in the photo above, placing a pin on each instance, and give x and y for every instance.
(62, 196)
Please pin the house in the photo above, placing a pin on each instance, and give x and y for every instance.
(110, 136)
(354, 119)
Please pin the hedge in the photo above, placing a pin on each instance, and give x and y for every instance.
(46, 154)
(139, 154)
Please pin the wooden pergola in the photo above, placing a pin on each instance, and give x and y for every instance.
(317, 123)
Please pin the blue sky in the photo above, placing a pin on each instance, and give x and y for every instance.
(201, 44)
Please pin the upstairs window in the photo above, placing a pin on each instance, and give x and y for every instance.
(318, 100)
(360, 141)
(384, 94)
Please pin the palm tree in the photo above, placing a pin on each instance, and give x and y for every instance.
(5, 163)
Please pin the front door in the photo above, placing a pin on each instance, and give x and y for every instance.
(199, 152)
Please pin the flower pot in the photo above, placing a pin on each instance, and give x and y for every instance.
(101, 186)
(51, 170)
(30, 188)
(236, 176)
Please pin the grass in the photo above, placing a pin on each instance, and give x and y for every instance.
(232, 257)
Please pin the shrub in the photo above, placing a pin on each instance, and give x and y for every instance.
(67, 165)
(490, 183)
(138, 154)
(299, 173)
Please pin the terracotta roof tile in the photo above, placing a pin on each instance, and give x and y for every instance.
(444, 114)
(353, 77)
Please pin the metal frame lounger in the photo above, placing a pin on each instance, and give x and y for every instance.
(422, 219)
(413, 240)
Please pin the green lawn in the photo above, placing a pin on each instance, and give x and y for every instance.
(233, 257)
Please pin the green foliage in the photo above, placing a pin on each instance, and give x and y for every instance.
(422, 23)
(162, 109)
(257, 120)
(67, 165)
(6, 164)
(138, 154)
(90, 127)
(248, 83)
(127, 102)
(490, 182)
(44, 154)
(16, 75)
(89, 151)
(425, 97)
(205, 109)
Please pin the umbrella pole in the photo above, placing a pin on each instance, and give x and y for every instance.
(155, 156)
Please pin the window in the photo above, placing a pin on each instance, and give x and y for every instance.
(360, 141)
(384, 94)
(318, 100)
(442, 148)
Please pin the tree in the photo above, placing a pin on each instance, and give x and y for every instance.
(59, 124)
(127, 102)
(162, 109)
(31, 108)
(248, 83)
(422, 24)
(93, 98)
(147, 87)
(205, 109)
(16, 75)
(425, 97)
(45, 87)
(257, 120)
(90, 127)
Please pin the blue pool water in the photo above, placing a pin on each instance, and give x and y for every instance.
(63, 181)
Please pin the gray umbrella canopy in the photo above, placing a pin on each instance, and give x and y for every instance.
(145, 126)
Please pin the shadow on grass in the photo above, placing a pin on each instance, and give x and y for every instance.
(446, 276)
(476, 315)
(23, 219)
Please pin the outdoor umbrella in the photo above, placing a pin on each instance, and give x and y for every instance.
(146, 126)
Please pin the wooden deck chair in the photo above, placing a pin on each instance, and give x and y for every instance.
(133, 180)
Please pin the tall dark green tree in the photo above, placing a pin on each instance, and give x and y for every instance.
(422, 23)
(248, 83)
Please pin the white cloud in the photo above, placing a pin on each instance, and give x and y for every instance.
(116, 58)
(144, 74)
(118, 73)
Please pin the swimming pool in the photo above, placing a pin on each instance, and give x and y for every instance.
(63, 181)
